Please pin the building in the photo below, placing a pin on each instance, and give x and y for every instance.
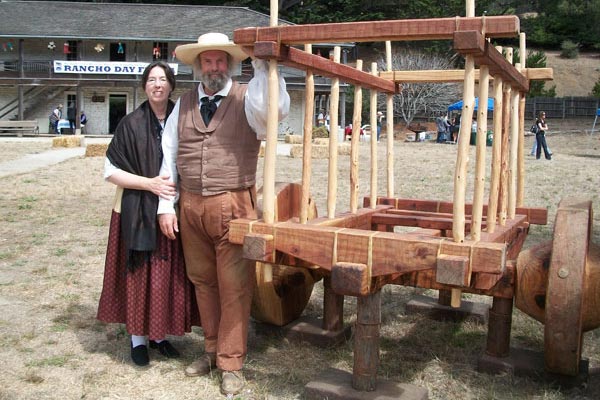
(91, 55)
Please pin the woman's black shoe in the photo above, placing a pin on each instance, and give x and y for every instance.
(139, 355)
(165, 348)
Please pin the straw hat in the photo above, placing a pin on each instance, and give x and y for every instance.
(187, 53)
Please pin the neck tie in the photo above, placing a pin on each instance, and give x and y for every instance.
(208, 108)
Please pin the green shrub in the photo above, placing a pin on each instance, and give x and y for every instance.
(568, 49)
(320, 132)
(596, 90)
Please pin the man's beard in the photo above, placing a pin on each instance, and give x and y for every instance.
(214, 83)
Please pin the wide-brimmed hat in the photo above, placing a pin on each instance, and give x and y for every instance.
(187, 53)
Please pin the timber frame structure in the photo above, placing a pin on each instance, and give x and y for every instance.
(455, 247)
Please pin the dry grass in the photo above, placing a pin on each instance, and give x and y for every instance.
(53, 231)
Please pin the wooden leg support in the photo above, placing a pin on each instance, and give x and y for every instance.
(499, 357)
(328, 332)
(363, 384)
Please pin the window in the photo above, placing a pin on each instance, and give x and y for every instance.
(70, 50)
(117, 51)
(160, 51)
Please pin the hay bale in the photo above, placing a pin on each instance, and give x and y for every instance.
(66, 141)
(96, 150)
(319, 151)
(293, 139)
(321, 142)
(344, 149)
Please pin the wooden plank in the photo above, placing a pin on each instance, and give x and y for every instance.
(350, 279)
(302, 60)
(535, 215)
(259, 247)
(453, 270)
(473, 43)
(379, 31)
(456, 75)
(432, 222)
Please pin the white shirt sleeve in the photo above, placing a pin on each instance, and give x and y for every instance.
(109, 168)
(257, 96)
(170, 143)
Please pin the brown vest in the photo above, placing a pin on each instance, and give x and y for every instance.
(222, 156)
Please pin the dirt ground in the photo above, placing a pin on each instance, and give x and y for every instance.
(53, 233)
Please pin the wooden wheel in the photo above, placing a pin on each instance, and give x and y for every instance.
(282, 291)
(558, 283)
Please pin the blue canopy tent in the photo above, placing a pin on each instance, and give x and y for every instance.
(595, 119)
(459, 104)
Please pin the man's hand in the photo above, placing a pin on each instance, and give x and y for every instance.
(168, 225)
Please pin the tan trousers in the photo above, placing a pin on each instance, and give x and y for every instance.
(223, 279)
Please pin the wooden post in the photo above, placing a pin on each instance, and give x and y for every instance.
(272, 126)
(333, 139)
(514, 146)
(503, 196)
(521, 149)
(390, 126)
(333, 308)
(477, 213)
(462, 158)
(356, 121)
(499, 324)
(366, 342)
(309, 100)
(496, 153)
(373, 143)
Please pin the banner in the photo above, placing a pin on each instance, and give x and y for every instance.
(103, 67)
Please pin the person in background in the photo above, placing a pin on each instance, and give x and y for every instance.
(82, 121)
(379, 123)
(145, 285)
(540, 137)
(535, 142)
(55, 116)
(442, 129)
(321, 118)
(210, 145)
(71, 116)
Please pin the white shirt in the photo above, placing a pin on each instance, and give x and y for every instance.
(255, 106)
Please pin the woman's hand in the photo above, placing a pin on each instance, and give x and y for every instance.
(162, 187)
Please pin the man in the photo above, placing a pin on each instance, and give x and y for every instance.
(55, 116)
(210, 144)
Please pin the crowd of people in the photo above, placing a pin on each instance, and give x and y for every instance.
(183, 171)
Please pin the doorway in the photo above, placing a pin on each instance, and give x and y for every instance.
(117, 109)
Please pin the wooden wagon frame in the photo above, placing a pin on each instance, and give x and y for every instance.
(457, 247)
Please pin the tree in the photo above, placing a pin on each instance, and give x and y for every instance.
(420, 98)
(537, 59)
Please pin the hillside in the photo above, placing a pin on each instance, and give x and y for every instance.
(573, 77)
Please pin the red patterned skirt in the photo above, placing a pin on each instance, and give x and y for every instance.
(157, 299)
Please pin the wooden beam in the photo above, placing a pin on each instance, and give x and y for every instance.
(535, 215)
(473, 43)
(302, 60)
(378, 31)
(455, 75)
(386, 252)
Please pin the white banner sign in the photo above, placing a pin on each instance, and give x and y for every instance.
(100, 67)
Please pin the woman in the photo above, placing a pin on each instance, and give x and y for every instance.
(540, 137)
(145, 284)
